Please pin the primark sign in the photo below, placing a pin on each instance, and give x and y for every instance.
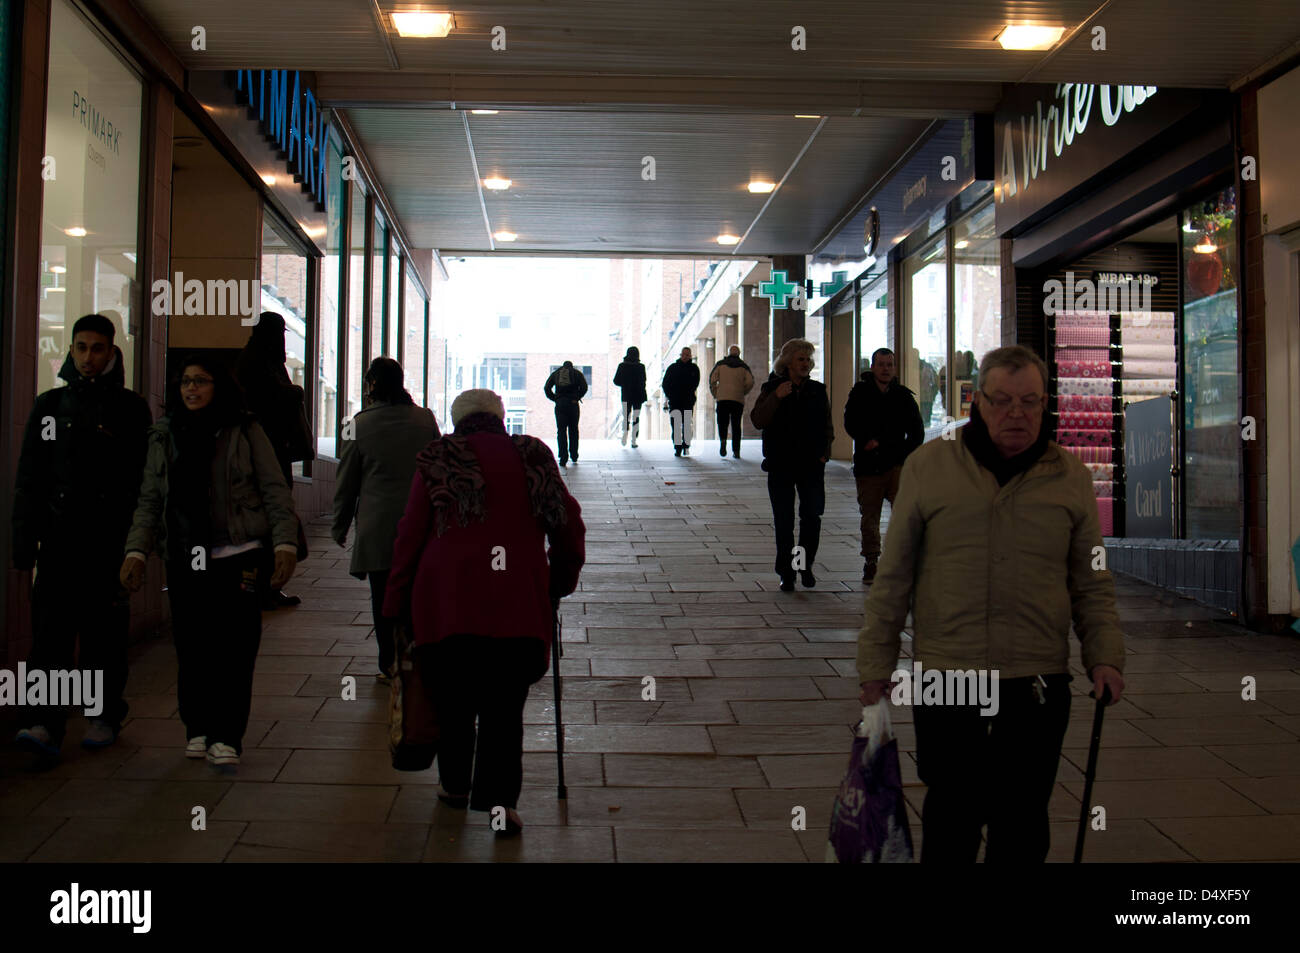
(1050, 140)
(292, 119)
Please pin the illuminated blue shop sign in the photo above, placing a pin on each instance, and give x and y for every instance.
(291, 119)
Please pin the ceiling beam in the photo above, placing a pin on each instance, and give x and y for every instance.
(714, 94)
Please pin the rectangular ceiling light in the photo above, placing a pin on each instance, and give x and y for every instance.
(1020, 37)
(422, 24)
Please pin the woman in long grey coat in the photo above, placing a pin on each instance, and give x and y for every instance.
(374, 478)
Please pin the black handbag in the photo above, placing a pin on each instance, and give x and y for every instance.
(412, 721)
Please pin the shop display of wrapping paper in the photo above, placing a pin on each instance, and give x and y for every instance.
(1083, 319)
(1088, 386)
(1102, 488)
(1085, 420)
(1160, 387)
(1131, 336)
(1075, 403)
(1148, 369)
(1101, 472)
(1082, 354)
(1089, 369)
(1146, 319)
(1091, 454)
(1072, 336)
(1083, 438)
(869, 817)
(1106, 515)
(1149, 352)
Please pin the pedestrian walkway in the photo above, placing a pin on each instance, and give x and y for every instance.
(754, 693)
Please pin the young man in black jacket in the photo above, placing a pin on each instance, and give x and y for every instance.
(78, 478)
(565, 388)
(794, 413)
(681, 381)
(885, 423)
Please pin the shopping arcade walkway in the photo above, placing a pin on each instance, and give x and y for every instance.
(755, 693)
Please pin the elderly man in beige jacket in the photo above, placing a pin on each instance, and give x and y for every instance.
(994, 546)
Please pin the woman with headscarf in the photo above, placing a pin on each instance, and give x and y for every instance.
(630, 378)
(213, 500)
(373, 479)
(277, 403)
(472, 575)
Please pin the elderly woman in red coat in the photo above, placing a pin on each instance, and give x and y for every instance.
(472, 573)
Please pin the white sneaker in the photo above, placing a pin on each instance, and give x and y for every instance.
(37, 738)
(197, 748)
(221, 754)
(633, 444)
(99, 734)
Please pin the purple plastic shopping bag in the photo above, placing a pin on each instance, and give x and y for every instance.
(869, 819)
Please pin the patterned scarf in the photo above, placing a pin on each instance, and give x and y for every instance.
(455, 482)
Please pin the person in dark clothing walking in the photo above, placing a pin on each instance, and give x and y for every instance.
(681, 381)
(630, 378)
(729, 382)
(882, 418)
(565, 388)
(374, 477)
(213, 498)
(78, 476)
(794, 413)
(278, 404)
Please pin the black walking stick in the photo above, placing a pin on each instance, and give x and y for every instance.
(561, 791)
(1090, 775)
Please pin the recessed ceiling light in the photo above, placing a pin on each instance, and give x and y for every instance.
(961, 244)
(1022, 37)
(56, 288)
(76, 231)
(728, 239)
(505, 236)
(806, 116)
(484, 112)
(760, 188)
(496, 183)
(57, 269)
(420, 24)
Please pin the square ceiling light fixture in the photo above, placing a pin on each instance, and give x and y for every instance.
(419, 24)
(1015, 36)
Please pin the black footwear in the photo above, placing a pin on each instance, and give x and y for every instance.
(787, 583)
(513, 828)
(564, 463)
(723, 452)
(869, 570)
(807, 578)
(275, 599)
(677, 451)
(736, 454)
(458, 801)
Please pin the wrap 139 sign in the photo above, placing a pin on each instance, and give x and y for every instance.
(292, 120)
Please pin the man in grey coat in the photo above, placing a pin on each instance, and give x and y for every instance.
(374, 478)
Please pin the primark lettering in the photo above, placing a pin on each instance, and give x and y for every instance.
(100, 127)
(292, 119)
(1060, 124)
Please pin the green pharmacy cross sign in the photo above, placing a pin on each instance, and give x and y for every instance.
(781, 288)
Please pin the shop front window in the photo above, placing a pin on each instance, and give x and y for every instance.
(413, 358)
(284, 291)
(1210, 395)
(90, 217)
(356, 291)
(394, 347)
(977, 303)
(925, 277)
(873, 331)
(328, 344)
(378, 343)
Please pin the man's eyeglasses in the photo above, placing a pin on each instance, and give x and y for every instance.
(195, 381)
(1002, 403)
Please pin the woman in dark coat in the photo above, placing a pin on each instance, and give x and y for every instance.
(374, 477)
(213, 501)
(630, 378)
(472, 574)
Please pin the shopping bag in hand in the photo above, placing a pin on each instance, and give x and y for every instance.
(412, 722)
(869, 819)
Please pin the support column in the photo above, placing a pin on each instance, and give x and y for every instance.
(752, 319)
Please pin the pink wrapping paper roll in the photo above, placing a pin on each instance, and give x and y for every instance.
(1083, 438)
(1067, 403)
(1083, 354)
(1148, 369)
(1146, 319)
(1132, 336)
(1091, 369)
(1087, 386)
(1101, 471)
(1103, 488)
(1106, 515)
(1092, 454)
(1148, 388)
(1083, 319)
(1070, 336)
(1085, 420)
(1150, 352)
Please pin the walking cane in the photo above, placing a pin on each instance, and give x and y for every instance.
(561, 792)
(1091, 773)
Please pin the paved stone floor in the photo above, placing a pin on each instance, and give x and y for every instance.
(755, 693)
